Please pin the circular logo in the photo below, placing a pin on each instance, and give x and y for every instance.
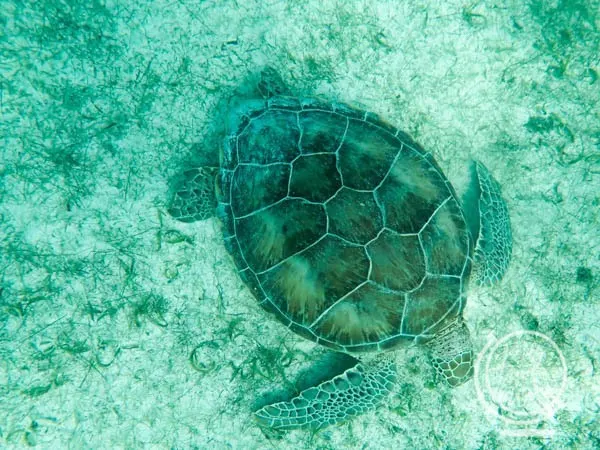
(521, 378)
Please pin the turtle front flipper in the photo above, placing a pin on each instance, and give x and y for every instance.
(451, 353)
(194, 198)
(354, 392)
(490, 226)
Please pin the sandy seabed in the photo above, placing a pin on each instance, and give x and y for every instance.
(122, 328)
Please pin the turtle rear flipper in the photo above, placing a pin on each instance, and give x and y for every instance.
(451, 353)
(194, 198)
(487, 216)
(354, 392)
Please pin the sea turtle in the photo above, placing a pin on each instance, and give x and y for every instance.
(349, 233)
